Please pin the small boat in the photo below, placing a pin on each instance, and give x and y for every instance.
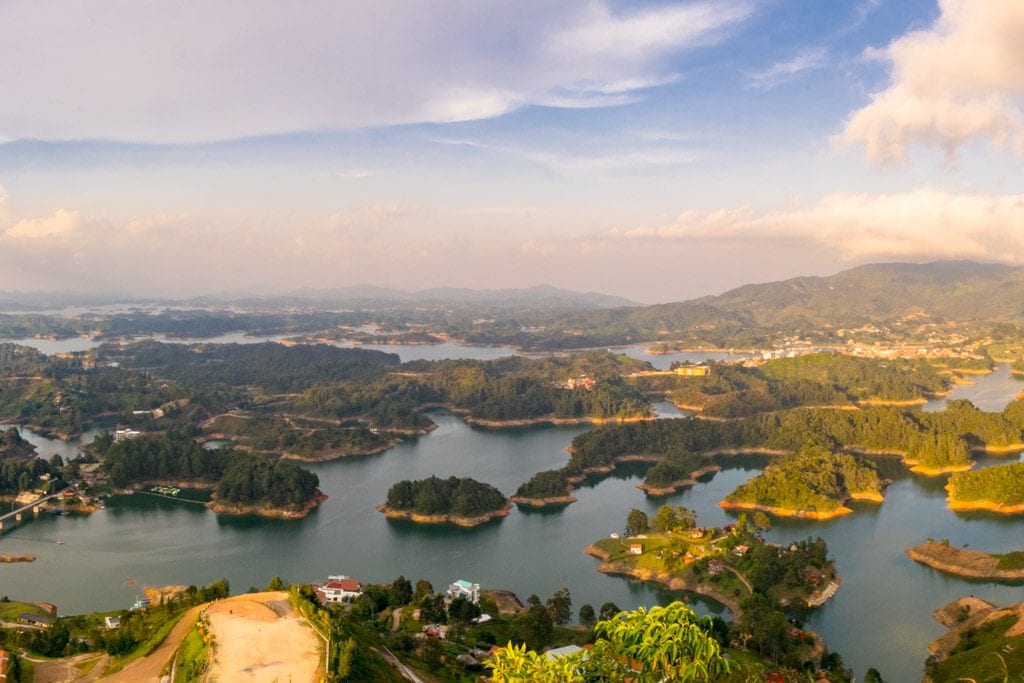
(60, 541)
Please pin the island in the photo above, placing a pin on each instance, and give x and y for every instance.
(996, 489)
(462, 501)
(549, 488)
(970, 564)
(813, 484)
(242, 483)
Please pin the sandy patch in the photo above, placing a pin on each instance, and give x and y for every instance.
(253, 642)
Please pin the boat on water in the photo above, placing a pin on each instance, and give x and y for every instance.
(60, 541)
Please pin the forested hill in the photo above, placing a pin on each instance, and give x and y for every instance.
(905, 294)
(957, 290)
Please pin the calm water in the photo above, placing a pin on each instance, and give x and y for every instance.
(989, 392)
(881, 616)
(406, 352)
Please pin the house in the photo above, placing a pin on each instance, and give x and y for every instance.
(693, 370)
(740, 550)
(338, 589)
(126, 435)
(41, 620)
(716, 567)
(581, 383)
(482, 619)
(465, 589)
(5, 664)
(636, 549)
(112, 622)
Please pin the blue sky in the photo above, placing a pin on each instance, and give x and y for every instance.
(656, 150)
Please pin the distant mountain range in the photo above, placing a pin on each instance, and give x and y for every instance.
(541, 297)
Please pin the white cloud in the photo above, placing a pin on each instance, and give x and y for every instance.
(61, 223)
(962, 78)
(148, 71)
(776, 74)
(924, 223)
(587, 164)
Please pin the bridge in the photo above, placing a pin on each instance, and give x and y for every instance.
(16, 515)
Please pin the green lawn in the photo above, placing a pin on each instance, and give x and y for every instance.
(10, 610)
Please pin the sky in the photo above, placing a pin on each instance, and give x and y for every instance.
(654, 150)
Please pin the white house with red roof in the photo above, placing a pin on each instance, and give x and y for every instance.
(338, 589)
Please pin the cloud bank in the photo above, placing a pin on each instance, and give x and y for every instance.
(148, 71)
(960, 79)
(920, 224)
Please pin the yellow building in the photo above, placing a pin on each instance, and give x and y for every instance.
(693, 371)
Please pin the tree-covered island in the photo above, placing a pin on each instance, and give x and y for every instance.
(996, 489)
(550, 487)
(242, 483)
(812, 483)
(461, 501)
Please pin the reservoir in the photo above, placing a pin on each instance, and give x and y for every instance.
(880, 617)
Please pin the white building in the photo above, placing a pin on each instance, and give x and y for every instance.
(465, 589)
(126, 435)
(338, 589)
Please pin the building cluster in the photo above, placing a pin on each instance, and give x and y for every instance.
(126, 435)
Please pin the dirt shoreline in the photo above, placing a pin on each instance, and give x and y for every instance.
(619, 568)
(970, 564)
(391, 513)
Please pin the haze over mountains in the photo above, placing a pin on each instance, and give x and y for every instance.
(941, 290)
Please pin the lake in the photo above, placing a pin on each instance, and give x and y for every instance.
(406, 352)
(880, 617)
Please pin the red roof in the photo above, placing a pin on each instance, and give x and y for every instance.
(350, 585)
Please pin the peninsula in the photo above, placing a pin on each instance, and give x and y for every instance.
(970, 564)
(996, 489)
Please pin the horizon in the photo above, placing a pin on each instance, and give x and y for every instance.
(656, 151)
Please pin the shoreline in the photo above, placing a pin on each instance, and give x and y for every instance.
(786, 512)
(985, 506)
(551, 420)
(549, 501)
(618, 568)
(266, 511)
(417, 518)
(672, 487)
(970, 564)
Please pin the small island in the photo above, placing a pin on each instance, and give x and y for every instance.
(462, 501)
(549, 488)
(678, 470)
(995, 489)
(971, 564)
(813, 484)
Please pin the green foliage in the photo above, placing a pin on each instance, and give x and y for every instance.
(676, 467)
(666, 643)
(811, 480)
(452, 496)
(636, 522)
(239, 478)
(547, 484)
(1001, 485)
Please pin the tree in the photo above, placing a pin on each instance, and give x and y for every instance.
(276, 584)
(401, 591)
(665, 643)
(560, 606)
(608, 610)
(872, 676)
(636, 522)
(423, 590)
(587, 616)
(761, 521)
(462, 610)
(675, 517)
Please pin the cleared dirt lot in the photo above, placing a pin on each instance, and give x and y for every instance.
(259, 637)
